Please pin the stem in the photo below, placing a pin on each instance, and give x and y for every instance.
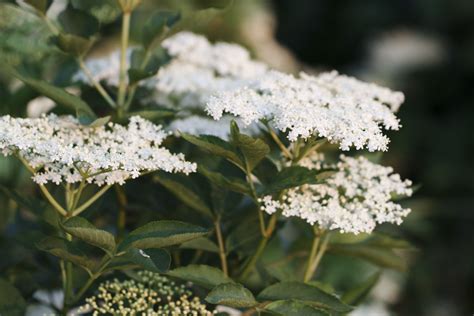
(277, 140)
(121, 217)
(52, 201)
(314, 250)
(89, 202)
(314, 262)
(220, 241)
(96, 84)
(123, 59)
(255, 198)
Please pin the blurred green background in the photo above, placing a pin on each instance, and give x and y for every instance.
(423, 48)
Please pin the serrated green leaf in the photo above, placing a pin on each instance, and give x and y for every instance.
(205, 276)
(292, 177)
(64, 249)
(40, 5)
(303, 292)
(11, 301)
(184, 190)
(232, 184)
(294, 308)
(82, 229)
(231, 294)
(200, 244)
(216, 146)
(252, 149)
(105, 11)
(161, 234)
(60, 96)
(357, 294)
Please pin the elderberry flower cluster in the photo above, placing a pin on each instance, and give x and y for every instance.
(149, 294)
(357, 197)
(340, 108)
(59, 149)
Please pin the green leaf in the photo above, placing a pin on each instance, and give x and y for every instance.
(161, 234)
(156, 26)
(266, 171)
(100, 121)
(78, 22)
(231, 294)
(105, 11)
(232, 184)
(60, 96)
(153, 115)
(303, 292)
(82, 229)
(11, 301)
(155, 260)
(379, 256)
(253, 149)
(292, 177)
(205, 276)
(64, 249)
(138, 70)
(40, 5)
(386, 241)
(184, 190)
(201, 243)
(72, 44)
(294, 308)
(355, 295)
(347, 238)
(216, 146)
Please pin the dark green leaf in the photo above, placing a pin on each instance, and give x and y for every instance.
(11, 301)
(231, 294)
(184, 190)
(355, 295)
(78, 22)
(155, 260)
(200, 244)
(82, 229)
(153, 114)
(216, 146)
(232, 184)
(40, 5)
(303, 292)
(292, 177)
(386, 241)
(294, 308)
(205, 276)
(143, 66)
(105, 11)
(379, 256)
(161, 234)
(72, 44)
(60, 96)
(265, 171)
(347, 238)
(65, 250)
(253, 149)
(156, 26)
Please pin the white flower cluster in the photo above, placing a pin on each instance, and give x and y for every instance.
(199, 69)
(151, 295)
(342, 109)
(354, 199)
(60, 149)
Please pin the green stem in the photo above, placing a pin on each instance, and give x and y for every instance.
(277, 140)
(121, 217)
(96, 84)
(255, 198)
(52, 201)
(123, 60)
(313, 263)
(89, 202)
(312, 255)
(220, 241)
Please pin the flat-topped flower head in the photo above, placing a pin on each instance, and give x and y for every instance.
(149, 294)
(357, 197)
(342, 109)
(60, 149)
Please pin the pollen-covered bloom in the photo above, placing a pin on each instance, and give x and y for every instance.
(149, 294)
(342, 109)
(357, 197)
(59, 149)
